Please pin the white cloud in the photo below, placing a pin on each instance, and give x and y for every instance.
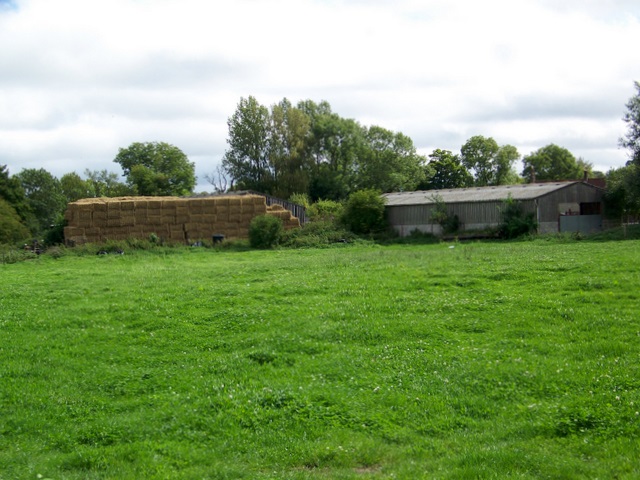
(82, 78)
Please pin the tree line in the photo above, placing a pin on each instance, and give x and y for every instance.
(308, 149)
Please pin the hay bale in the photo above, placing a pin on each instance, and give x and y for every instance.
(99, 218)
(127, 206)
(128, 220)
(221, 202)
(113, 222)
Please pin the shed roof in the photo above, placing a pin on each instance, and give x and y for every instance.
(527, 191)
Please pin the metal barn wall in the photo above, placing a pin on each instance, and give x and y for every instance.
(550, 205)
(472, 215)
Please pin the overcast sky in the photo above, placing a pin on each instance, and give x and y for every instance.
(80, 79)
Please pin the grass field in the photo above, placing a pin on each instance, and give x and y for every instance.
(495, 360)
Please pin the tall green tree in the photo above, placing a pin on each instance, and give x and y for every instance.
(246, 160)
(622, 197)
(11, 190)
(44, 197)
(490, 163)
(388, 162)
(12, 229)
(445, 170)
(631, 140)
(335, 144)
(551, 163)
(289, 154)
(157, 168)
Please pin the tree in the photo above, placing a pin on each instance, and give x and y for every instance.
(74, 187)
(364, 212)
(445, 170)
(44, 197)
(631, 140)
(288, 152)
(552, 163)
(490, 163)
(11, 190)
(12, 229)
(219, 179)
(247, 159)
(157, 168)
(388, 162)
(102, 183)
(622, 197)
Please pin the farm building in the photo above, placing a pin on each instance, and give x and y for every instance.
(179, 220)
(558, 207)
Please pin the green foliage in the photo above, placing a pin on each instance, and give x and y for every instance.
(102, 183)
(325, 210)
(364, 212)
(12, 229)
(631, 140)
(265, 231)
(12, 192)
(44, 198)
(247, 158)
(317, 234)
(388, 162)
(441, 216)
(300, 199)
(445, 170)
(622, 197)
(552, 163)
(491, 164)
(157, 168)
(74, 187)
(515, 221)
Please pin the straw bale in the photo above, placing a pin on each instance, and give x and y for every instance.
(235, 201)
(99, 206)
(112, 222)
(196, 202)
(221, 202)
(99, 217)
(140, 217)
(209, 218)
(128, 219)
(222, 210)
(140, 204)
(168, 218)
(275, 208)
(69, 215)
(154, 204)
(154, 217)
(73, 231)
(209, 204)
(180, 219)
(127, 205)
(182, 211)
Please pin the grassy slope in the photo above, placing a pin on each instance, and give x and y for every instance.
(516, 360)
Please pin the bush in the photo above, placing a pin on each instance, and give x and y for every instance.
(325, 210)
(448, 223)
(265, 231)
(317, 234)
(515, 222)
(364, 212)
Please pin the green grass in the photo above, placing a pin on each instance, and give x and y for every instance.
(496, 360)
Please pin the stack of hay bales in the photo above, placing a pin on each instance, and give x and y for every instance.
(179, 220)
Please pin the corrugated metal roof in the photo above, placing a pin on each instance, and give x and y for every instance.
(525, 191)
